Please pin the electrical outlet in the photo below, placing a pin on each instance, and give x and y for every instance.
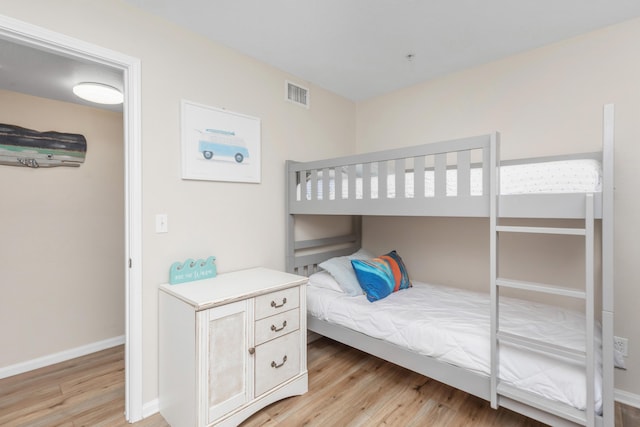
(621, 345)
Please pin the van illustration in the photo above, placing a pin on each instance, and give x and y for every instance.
(215, 142)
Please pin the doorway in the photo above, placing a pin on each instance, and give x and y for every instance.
(52, 42)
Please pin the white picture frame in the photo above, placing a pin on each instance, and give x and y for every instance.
(219, 145)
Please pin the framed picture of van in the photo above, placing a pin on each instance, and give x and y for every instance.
(219, 145)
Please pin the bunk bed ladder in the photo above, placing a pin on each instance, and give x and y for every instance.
(585, 357)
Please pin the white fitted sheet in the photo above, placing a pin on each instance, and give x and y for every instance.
(452, 325)
(563, 176)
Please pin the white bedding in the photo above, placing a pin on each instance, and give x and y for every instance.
(452, 325)
(566, 176)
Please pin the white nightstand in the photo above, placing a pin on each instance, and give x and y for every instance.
(231, 345)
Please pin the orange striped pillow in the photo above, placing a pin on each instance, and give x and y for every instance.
(381, 276)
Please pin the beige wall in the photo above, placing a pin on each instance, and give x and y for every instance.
(546, 101)
(241, 224)
(62, 236)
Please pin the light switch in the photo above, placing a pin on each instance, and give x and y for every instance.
(162, 225)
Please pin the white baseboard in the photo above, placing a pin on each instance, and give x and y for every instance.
(40, 362)
(150, 408)
(627, 398)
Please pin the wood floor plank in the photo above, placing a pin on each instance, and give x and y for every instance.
(13, 400)
(393, 392)
(630, 416)
(24, 410)
(67, 408)
(75, 388)
(334, 391)
(353, 389)
(404, 409)
(438, 415)
(352, 394)
(323, 386)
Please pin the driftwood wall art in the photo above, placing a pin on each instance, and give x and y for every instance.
(25, 147)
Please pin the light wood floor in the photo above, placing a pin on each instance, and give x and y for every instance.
(350, 388)
(87, 391)
(346, 388)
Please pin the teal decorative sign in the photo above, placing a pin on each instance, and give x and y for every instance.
(191, 270)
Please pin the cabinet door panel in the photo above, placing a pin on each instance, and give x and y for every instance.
(227, 359)
(277, 361)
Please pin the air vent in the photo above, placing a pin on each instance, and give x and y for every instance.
(297, 94)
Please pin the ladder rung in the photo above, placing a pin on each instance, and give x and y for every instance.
(542, 346)
(560, 409)
(541, 287)
(541, 230)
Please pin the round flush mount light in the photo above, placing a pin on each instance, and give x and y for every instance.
(98, 93)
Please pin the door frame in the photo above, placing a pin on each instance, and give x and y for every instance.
(34, 36)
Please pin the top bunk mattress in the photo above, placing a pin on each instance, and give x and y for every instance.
(555, 177)
(453, 325)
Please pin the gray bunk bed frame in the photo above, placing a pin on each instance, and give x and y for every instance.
(303, 256)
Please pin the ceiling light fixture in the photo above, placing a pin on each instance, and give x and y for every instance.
(99, 93)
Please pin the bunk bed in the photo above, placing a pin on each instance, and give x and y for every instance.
(466, 178)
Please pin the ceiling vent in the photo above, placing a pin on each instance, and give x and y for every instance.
(297, 94)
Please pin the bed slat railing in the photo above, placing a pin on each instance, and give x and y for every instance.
(325, 183)
(304, 256)
(440, 176)
(418, 175)
(382, 180)
(400, 178)
(464, 173)
(352, 179)
(338, 184)
(378, 181)
(366, 182)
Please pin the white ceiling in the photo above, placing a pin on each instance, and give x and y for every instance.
(359, 48)
(356, 48)
(40, 73)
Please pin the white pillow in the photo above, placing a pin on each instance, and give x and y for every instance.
(362, 254)
(342, 270)
(322, 279)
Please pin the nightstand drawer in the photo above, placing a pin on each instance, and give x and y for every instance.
(276, 326)
(277, 361)
(277, 302)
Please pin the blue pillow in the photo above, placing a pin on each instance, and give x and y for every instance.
(379, 277)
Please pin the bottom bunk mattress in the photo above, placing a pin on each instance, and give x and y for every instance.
(453, 325)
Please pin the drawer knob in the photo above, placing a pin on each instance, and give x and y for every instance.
(252, 350)
(275, 329)
(275, 365)
(275, 305)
